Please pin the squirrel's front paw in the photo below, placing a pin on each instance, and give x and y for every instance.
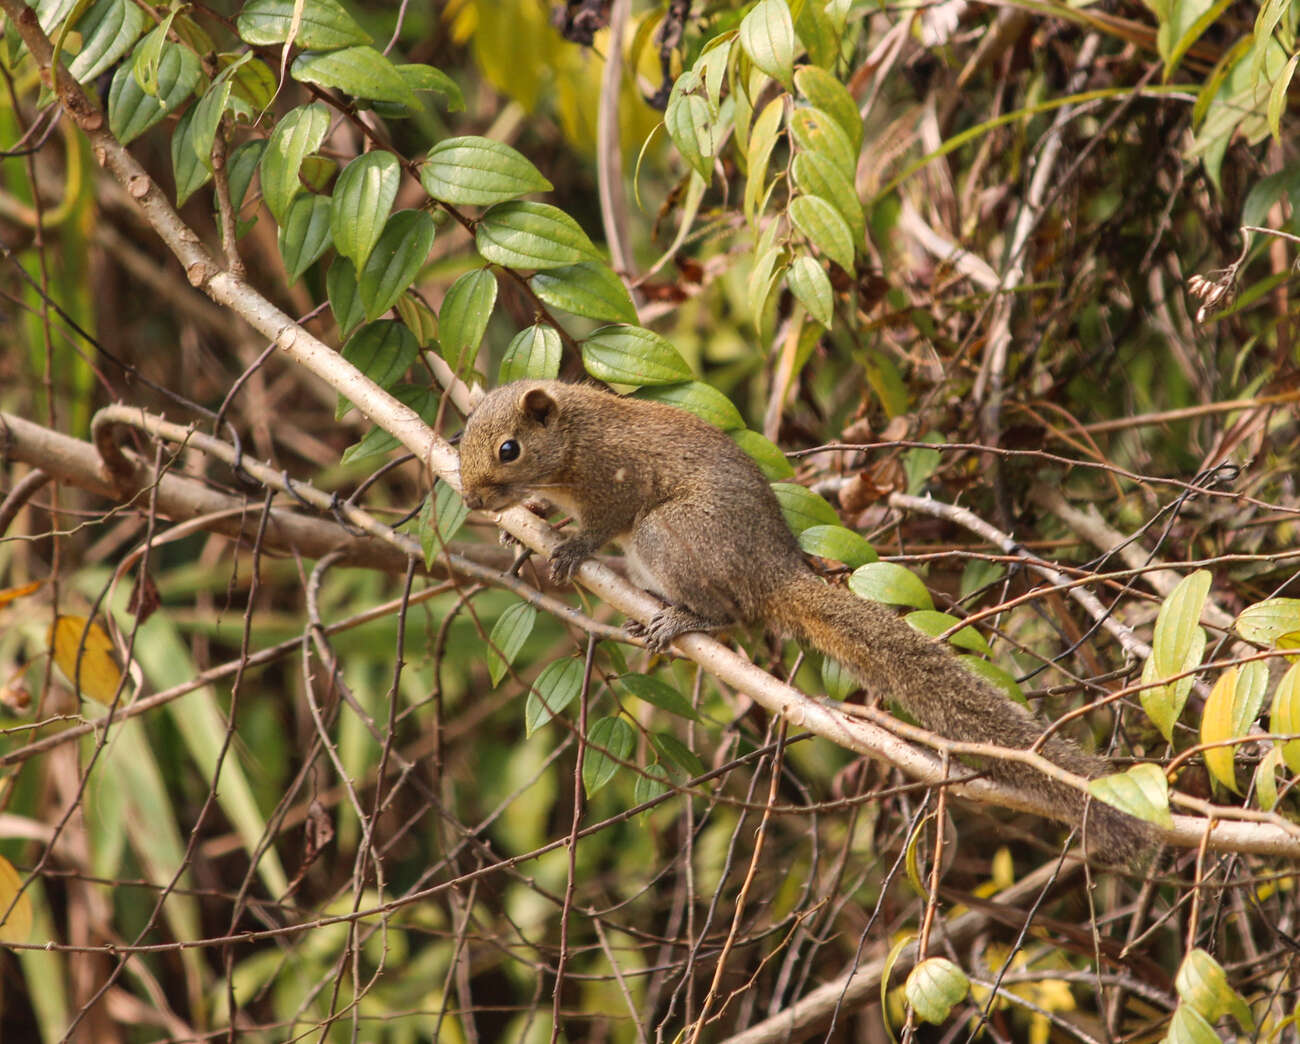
(565, 560)
(658, 634)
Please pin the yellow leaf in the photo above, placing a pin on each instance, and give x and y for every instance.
(16, 925)
(1285, 716)
(1216, 725)
(98, 672)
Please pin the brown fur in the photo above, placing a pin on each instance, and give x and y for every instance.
(703, 530)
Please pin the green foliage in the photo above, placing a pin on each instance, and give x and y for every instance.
(822, 237)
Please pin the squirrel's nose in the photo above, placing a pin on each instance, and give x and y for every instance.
(473, 500)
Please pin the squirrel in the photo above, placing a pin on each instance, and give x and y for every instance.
(703, 530)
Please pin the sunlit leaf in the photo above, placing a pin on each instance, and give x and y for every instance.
(395, 261)
(479, 172)
(767, 35)
(363, 196)
(15, 908)
(555, 688)
(890, 583)
(802, 507)
(323, 25)
(464, 315)
(534, 352)
(837, 543)
(633, 355)
(610, 740)
(703, 400)
(508, 636)
(590, 289)
(934, 987)
(1284, 716)
(1142, 791)
(523, 234)
(86, 657)
(359, 71)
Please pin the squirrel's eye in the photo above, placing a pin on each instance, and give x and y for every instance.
(508, 451)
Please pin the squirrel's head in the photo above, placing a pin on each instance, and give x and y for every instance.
(510, 446)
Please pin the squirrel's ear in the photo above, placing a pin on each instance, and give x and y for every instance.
(537, 405)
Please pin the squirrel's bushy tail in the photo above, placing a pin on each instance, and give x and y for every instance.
(896, 662)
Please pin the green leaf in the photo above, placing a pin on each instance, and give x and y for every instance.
(1176, 648)
(762, 139)
(241, 165)
(463, 317)
(324, 25)
(1268, 622)
(508, 636)
(131, 111)
(190, 172)
(147, 56)
(418, 397)
(1284, 717)
(890, 583)
(934, 987)
(1203, 985)
(818, 176)
(767, 36)
(555, 688)
(703, 400)
(762, 278)
(383, 351)
(837, 543)
(675, 751)
(1266, 795)
(419, 318)
(421, 77)
(443, 514)
(1277, 97)
(305, 234)
(826, 93)
(1189, 1026)
(534, 353)
(252, 88)
(359, 71)
(523, 234)
(632, 355)
(589, 289)
(363, 196)
(995, 676)
(651, 784)
(816, 131)
(296, 136)
(837, 679)
(611, 740)
(479, 172)
(344, 298)
(657, 694)
(108, 30)
(206, 118)
(774, 464)
(826, 230)
(811, 287)
(803, 508)
(1142, 792)
(934, 623)
(691, 126)
(395, 260)
(1177, 624)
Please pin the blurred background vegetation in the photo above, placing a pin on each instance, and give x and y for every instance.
(1018, 333)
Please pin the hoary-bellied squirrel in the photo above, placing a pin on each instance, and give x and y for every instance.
(702, 528)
